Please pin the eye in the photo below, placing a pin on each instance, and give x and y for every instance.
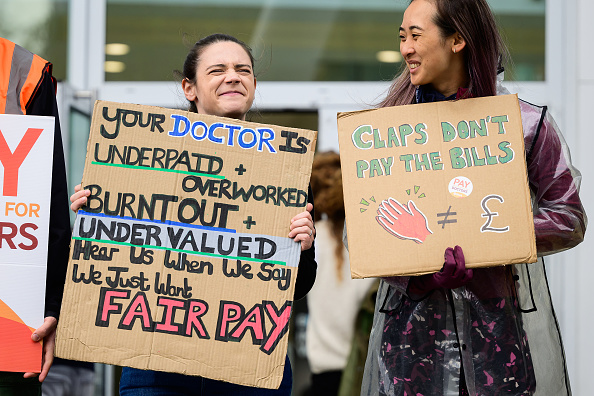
(414, 35)
(245, 71)
(216, 71)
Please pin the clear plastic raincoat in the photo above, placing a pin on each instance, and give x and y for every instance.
(497, 334)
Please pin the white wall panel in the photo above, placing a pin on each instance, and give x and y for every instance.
(583, 41)
(582, 269)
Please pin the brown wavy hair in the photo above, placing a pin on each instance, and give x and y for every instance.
(326, 183)
(484, 52)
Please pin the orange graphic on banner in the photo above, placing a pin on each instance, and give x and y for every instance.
(19, 352)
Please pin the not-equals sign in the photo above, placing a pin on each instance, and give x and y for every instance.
(445, 216)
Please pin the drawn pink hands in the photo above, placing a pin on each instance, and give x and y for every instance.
(404, 222)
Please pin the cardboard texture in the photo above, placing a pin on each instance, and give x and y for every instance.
(26, 152)
(181, 260)
(420, 178)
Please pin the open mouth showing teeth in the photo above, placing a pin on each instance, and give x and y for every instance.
(414, 66)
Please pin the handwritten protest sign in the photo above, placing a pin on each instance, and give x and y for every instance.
(423, 177)
(181, 260)
(26, 148)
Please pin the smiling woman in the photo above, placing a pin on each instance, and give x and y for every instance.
(477, 331)
(219, 77)
(447, 53)
(430, 57)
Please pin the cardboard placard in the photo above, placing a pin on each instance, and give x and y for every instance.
(420, 178)
(26, 153)
(181, 260)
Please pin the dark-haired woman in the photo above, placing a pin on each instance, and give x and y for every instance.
(218, 79)
(488, 331)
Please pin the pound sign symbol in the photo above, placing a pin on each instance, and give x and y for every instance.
(487, 226)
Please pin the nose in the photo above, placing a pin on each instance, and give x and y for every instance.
(232, 77)
(406, 47)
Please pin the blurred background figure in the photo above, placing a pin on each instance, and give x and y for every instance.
(335, 299)
(69, 378)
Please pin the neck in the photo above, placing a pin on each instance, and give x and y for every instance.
(452, 86)
(458, 77)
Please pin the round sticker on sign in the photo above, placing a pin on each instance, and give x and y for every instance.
(460, 187)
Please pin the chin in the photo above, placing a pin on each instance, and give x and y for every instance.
(417, 81)
(234, 113)
(235, 109)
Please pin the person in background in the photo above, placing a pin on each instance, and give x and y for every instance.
(27, 87)
(487, 331)
(69, 378)
(218, 79)
(334, 300)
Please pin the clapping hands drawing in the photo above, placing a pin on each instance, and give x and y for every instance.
(404, 222)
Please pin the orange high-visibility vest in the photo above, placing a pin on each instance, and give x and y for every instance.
(21, 74)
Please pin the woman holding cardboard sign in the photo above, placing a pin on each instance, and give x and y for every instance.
(218, 79)
(485, 331)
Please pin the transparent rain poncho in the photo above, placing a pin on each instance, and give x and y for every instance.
(497, 334)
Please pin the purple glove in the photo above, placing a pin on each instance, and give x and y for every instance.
(453, 274)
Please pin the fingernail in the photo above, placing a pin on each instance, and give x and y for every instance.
(36, 337)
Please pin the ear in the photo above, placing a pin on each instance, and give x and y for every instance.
(255, 81)
(458, 43)
(189, 90)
